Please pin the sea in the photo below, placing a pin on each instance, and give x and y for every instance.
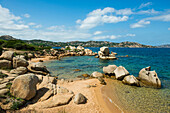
(132, 99)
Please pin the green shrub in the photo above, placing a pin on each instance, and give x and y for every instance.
(3, 75)
(16, 105)
(1, 50)
(2, 41)
(18, 44)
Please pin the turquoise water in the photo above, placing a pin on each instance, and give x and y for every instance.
(140, 99)
(157, 58)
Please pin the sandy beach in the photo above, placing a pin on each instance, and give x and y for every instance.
(97, 102)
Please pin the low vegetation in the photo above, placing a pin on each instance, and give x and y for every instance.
(20, 45)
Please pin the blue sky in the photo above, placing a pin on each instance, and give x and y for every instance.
(142, 21)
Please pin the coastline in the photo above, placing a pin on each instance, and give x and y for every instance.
(97, 96)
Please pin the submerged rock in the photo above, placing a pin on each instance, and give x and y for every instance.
(101, 81)
(80, 99)
(149, 78)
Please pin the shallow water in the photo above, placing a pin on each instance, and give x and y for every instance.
(139, 99)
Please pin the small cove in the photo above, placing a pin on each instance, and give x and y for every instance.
(139, 99)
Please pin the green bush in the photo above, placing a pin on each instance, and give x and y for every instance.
(2, 41)
(18, 44)
(1, 50)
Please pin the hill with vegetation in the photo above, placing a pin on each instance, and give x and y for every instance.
(10, 42)
(42, 43)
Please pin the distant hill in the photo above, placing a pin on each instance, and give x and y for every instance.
(164, 46)
(81, 43)
(7, 37)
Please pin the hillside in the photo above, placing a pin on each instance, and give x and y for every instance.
(7, 37)
(164, 46)
(81, 43)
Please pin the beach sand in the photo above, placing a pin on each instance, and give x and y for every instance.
(96, 103)
(97, 100)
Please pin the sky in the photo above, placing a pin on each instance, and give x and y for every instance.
(142, 21)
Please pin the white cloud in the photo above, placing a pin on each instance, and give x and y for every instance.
(78, 21)
(8, 21)
(169, 28)
(112, 36)
(31, 23)
(146, 21)
(37, 26)
(26, 15)
(97, 32)
(160, 18)
(57, 28)
(141, 23)
(126, 11)
(99, 16)
(145, 5)
(149, 11)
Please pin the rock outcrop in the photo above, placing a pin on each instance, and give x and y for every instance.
(19, 70)
(80, 48)
(149, 78)
(24, 86)
(19, 61)
(38, 68)
(8, 55)
(120, 72)
(105, 54)
(130, 80)
(5, 64)
(56, 100)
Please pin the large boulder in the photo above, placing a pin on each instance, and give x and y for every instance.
(149, 77)
(109, 69)
(120, 72)
(105, 51)
(8, 55)
(19, 70)
(24, 86)
(5, 64)
(130, 80)
(19, 61)
(96, 74)
(80, 99)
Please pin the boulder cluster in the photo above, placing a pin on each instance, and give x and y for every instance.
(145, 78)
(30, 84)
(105, 54)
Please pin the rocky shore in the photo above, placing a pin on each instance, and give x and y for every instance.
(26, 84)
